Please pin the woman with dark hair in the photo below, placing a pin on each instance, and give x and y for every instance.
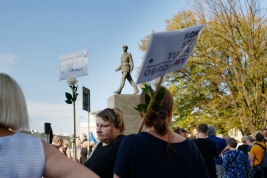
(110, 128)
(159, 152)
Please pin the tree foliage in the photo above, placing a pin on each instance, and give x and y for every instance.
(224, 82)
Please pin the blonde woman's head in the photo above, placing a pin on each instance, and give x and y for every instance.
(66, 143)
(13, 109)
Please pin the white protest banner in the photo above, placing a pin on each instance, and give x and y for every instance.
(73, 64)
(167, 52)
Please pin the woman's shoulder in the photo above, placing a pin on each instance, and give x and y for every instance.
(135, 137)
(229, 153)
(129, 137)
(234, 153)
(141, 135)
(146, 137)
(31, 141)
(21, 137)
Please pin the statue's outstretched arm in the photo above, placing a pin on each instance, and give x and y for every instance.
(119, 68)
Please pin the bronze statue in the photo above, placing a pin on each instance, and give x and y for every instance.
(126, 68)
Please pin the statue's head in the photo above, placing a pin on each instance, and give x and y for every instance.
(125, 47)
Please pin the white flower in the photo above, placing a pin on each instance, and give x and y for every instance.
(154, 83)
(72, 80)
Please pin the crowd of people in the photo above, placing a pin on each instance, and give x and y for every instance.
(225, 159)
(156, 152)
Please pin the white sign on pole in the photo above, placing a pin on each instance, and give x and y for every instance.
(167, 52)
(73, 64)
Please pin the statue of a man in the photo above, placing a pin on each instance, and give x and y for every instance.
(126, 68)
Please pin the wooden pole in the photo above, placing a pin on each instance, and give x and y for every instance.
(74, 124)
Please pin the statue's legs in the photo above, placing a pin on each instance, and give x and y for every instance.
(129, 78)
(124, 74)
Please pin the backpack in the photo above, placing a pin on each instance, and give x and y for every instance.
(264, 157)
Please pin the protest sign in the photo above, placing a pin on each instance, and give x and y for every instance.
(167, 52)
(73, 64)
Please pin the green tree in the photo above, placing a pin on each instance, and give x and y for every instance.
(224, 82)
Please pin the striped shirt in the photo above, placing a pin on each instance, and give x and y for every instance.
(21, 155)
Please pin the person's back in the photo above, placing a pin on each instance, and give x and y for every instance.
(159, 152)
(220, 145)
(207, 148)
(243, 148)
(25, 155)
(238, 162)
(256, 155)
(146, 158)
(235, 161)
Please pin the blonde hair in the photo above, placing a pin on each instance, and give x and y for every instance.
(13, 109)
(66, 143)
(114, 116)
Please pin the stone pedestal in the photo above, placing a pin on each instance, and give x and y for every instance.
(126, 102)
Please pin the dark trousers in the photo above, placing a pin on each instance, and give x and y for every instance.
(257, 172)
(263, 173)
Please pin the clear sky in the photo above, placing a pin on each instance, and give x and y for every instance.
(34, 33)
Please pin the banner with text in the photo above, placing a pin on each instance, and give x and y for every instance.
(167, 52)
(73, 64)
